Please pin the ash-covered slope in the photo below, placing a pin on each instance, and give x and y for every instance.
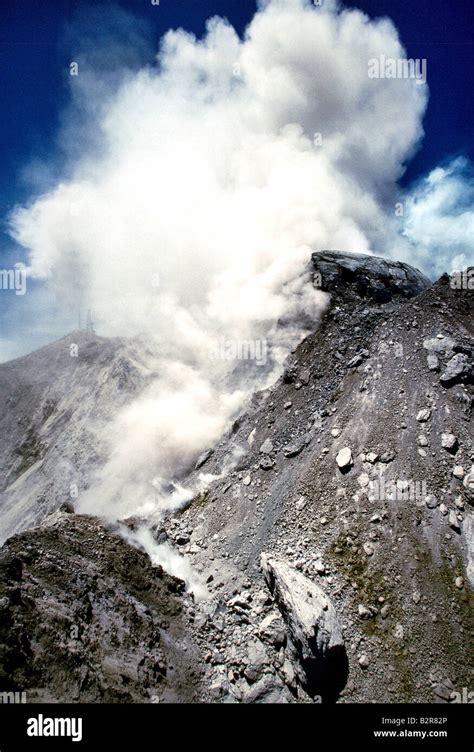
(55, 402)
(356, 470)
(338, 552)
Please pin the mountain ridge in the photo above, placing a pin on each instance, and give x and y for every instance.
(354, 470)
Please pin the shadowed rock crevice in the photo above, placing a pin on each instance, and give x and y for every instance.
(314, 632)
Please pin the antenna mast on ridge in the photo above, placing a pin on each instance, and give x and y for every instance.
(90, 327)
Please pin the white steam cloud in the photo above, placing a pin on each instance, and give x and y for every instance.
(194, 214)
(440, 218)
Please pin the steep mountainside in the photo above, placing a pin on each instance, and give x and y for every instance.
(356, 468)
(54, 400)
(338, 552)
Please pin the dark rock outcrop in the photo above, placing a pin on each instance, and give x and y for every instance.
(371, 277)
(85, 617)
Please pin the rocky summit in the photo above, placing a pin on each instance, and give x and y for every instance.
(335, 531)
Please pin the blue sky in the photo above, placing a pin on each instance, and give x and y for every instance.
(38, 41)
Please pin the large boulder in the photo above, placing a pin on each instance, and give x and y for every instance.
(313, 627)
(371, 277)
(458, 369)
(468, 484)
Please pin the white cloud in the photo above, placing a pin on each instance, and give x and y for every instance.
(212, 181)
(439, 218)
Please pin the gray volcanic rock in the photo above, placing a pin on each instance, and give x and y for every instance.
(440, 345)
(85, 617)
(344, 459)
(312, 623)
(458, 368)
(272, 629)
(370, 276)
(468, 485)
(449, 442)
(310, 615)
